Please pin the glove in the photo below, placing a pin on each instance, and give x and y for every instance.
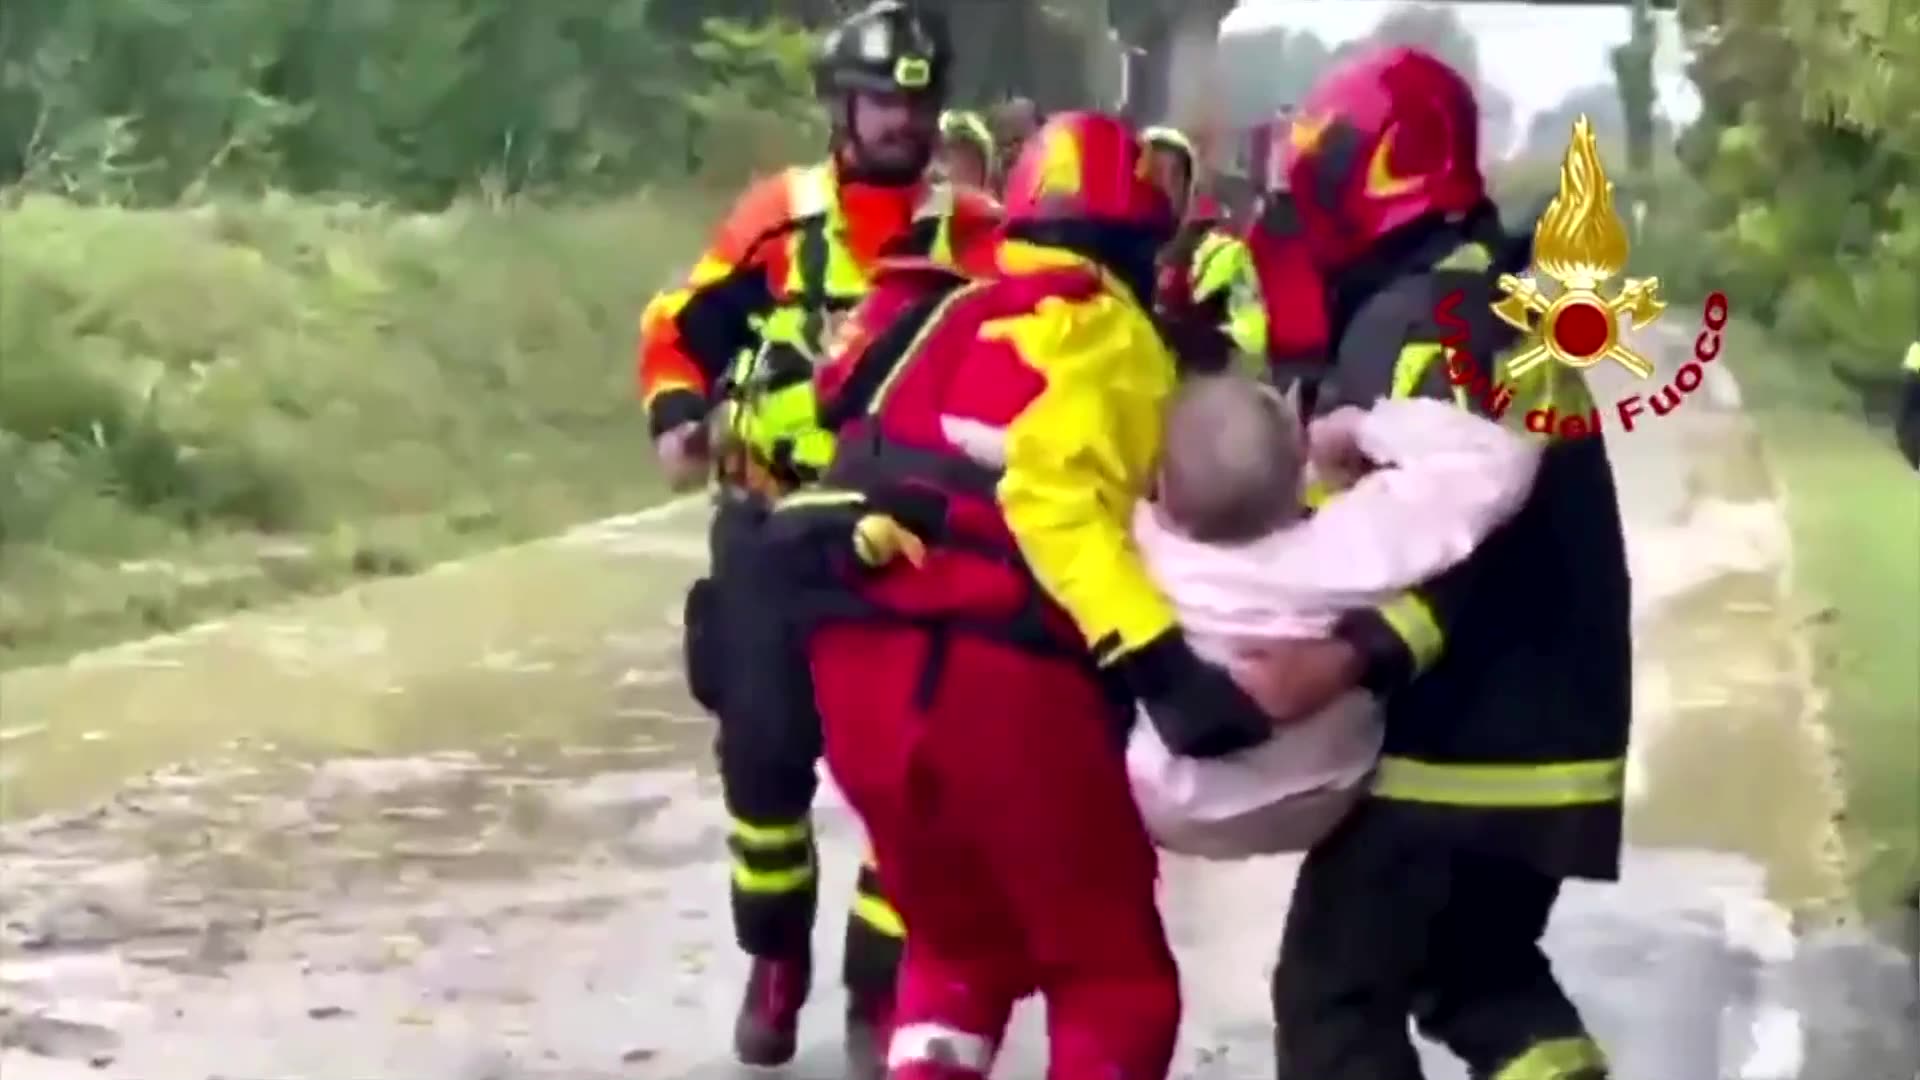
(1197, 708)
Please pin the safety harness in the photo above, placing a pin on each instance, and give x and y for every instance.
(767, 405)
(922, 488)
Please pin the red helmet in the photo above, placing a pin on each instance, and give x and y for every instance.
(1386, 138)
(1085, 166)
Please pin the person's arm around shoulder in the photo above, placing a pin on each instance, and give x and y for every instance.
(1433, 482)
(1471, 473)
(1078, 460)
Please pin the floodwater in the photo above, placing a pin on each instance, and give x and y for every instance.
(463, 826)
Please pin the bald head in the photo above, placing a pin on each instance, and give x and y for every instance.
(1230, 468)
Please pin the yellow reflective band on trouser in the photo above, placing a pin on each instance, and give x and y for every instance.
(878, 914)
(871, 906)
(1912, 362)
(1543, 786)
(1577, 1058)
(795, 837)
(1412, 621)
(791, 879)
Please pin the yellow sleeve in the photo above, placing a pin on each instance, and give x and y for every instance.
(1081, 456)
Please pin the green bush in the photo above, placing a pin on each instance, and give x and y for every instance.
(284, 394)
(154, 101)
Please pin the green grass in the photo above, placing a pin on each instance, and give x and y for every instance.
(1853, 508)
(206, 409)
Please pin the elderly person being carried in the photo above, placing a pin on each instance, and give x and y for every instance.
(1230, 540)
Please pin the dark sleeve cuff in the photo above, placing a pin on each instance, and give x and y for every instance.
(675, 407)
(1150, 671)
(1388, 662)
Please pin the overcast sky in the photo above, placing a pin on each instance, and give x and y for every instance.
(1536, 55)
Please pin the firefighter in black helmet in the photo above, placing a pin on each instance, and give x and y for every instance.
(731, 351)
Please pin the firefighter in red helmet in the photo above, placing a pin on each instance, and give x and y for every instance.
(969, 667)
(1507, 718)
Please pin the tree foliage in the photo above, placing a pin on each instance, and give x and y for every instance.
(1268, 69)
(1274, 66)
(1633, 76)
(1600, 103)
(1808, 148)
(1435, 29)
(413, 101)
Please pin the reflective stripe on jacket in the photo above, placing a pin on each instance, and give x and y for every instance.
(771, 399)
(793, 253)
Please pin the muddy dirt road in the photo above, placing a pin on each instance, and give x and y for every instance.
(462, 826)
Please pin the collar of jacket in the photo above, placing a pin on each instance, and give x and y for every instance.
(1419, 248)
(1026, 257)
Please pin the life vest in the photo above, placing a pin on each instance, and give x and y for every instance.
(768, 399)
(926, 409)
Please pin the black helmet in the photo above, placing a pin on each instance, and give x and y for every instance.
(887, 47)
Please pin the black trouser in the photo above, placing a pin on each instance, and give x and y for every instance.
(748, 666)
(1386, 925)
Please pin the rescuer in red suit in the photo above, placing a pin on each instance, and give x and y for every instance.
(966, 665)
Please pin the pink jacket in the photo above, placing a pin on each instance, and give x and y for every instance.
(1447, 479)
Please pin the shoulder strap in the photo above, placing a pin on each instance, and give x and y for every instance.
(811, 192)
(890, 349)
(930, 216)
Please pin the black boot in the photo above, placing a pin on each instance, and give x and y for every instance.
(767, 1030)
(869, 1029)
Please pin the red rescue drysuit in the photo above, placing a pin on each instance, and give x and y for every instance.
(963, 716)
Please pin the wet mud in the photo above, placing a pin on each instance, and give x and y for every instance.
(464, 826)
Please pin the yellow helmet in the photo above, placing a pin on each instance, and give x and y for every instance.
(1170, 138)
(965, 125)
(1162, 137)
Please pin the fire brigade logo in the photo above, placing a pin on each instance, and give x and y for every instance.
(1580, 245)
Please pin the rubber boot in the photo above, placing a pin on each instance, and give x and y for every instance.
(869, 1027)
(767, 1030)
